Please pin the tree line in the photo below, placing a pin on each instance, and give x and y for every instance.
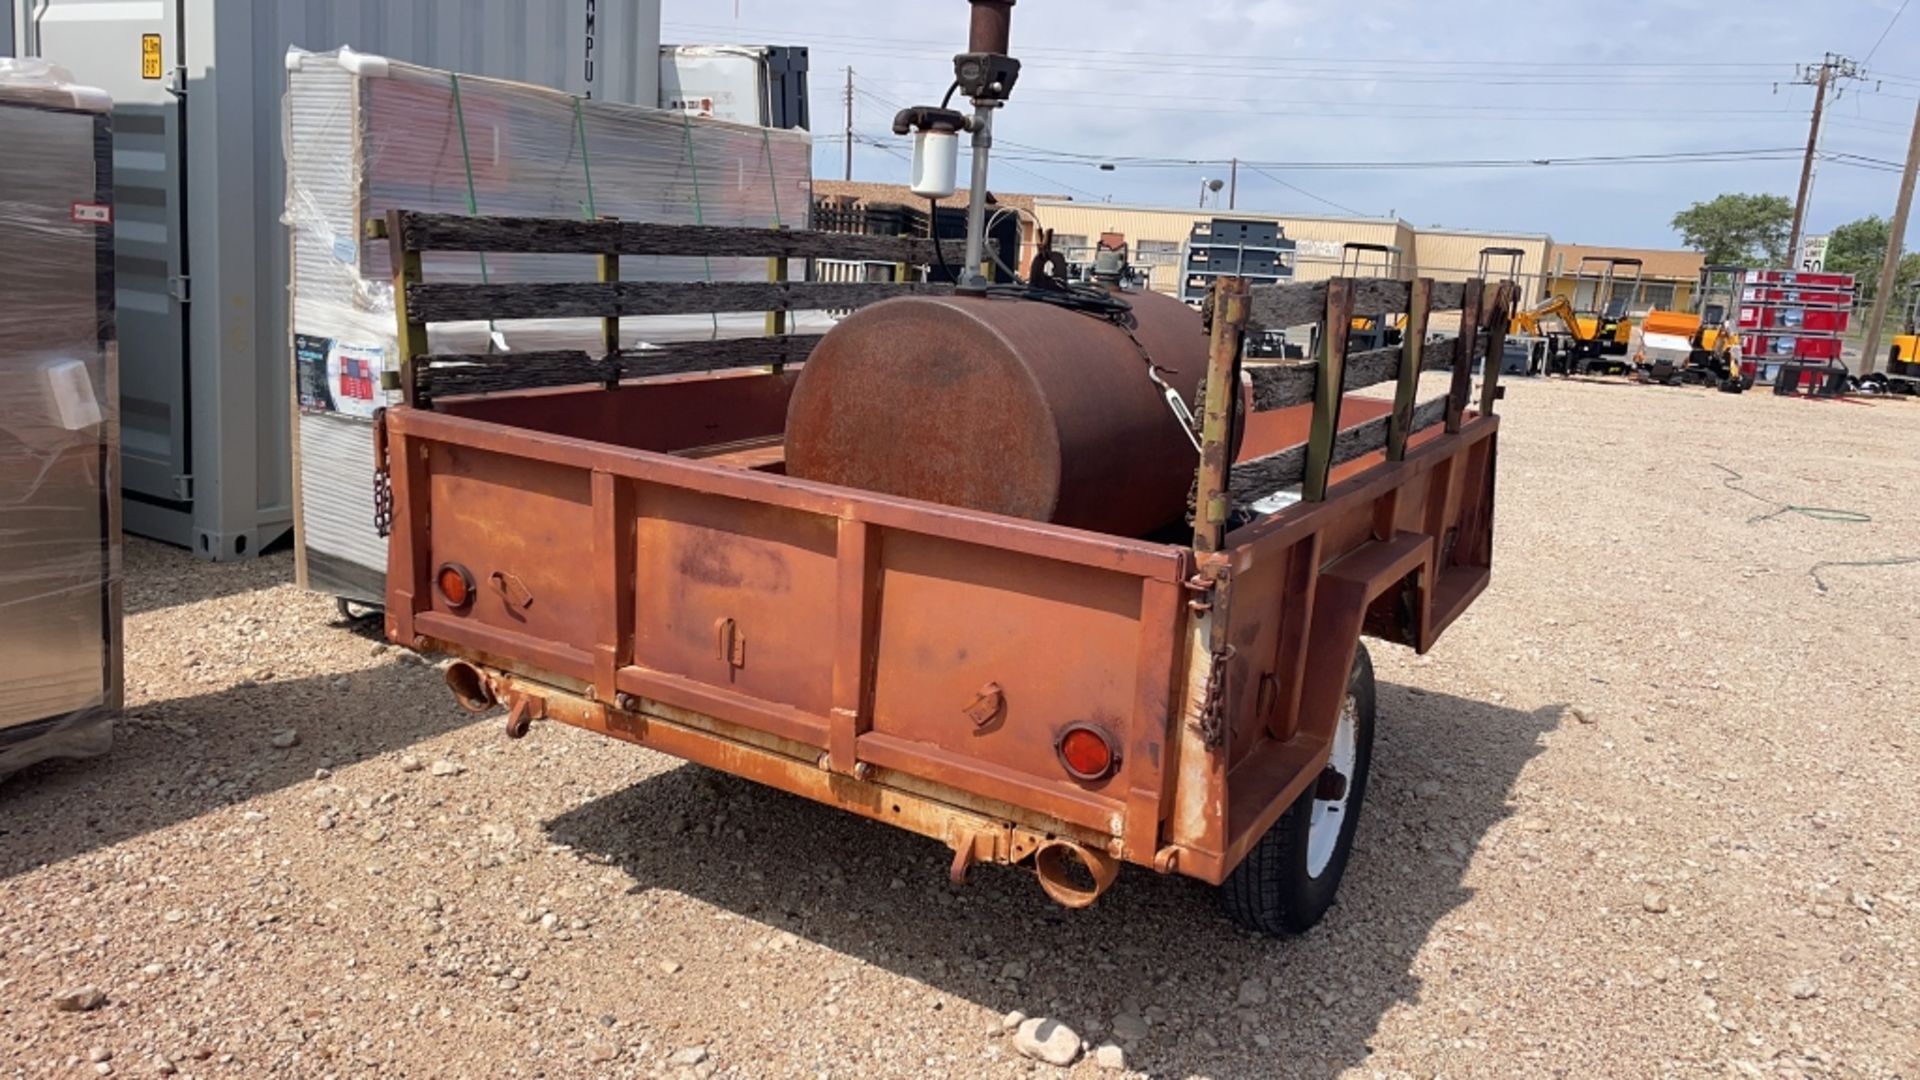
(1752, 230)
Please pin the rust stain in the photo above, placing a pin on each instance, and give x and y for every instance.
(730, 564)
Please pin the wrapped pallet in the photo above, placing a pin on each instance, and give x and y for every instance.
(366, 134)
(60, 548)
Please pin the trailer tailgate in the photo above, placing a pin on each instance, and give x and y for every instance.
(945, 648)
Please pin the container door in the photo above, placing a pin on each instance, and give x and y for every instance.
(131, 50)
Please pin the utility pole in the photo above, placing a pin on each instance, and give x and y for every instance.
(849, 131)
(1233, 186)
(1890, 269)
(1832, 68)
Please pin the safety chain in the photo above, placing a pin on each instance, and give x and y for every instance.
(382, 478)
(1213, 704)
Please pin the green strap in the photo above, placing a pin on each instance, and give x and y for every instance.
(586, 163)
(773, 185)
(699, 216)
(473, 201)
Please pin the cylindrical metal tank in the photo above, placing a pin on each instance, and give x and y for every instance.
(1006, 405)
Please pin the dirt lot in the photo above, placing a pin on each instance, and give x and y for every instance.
(1649, 810)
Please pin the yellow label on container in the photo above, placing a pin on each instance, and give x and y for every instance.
(150, 56)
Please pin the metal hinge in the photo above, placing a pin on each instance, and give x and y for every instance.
(183, 487)
(180, 288)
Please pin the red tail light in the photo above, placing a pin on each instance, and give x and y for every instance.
(1087, 752)
(455, 584)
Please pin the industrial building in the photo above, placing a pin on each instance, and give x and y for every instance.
(1668, 278)
(1157, 237)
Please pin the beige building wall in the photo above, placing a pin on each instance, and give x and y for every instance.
(1163, 230)
(1445, 255)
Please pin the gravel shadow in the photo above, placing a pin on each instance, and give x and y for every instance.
(177, 759)
(1443, 771)
(159, 576)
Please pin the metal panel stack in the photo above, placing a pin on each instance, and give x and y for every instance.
(366, 134)
(1258, 251)
(1793, 324)
(59, 421)
(202, 259)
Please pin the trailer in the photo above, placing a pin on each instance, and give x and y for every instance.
(618, 542)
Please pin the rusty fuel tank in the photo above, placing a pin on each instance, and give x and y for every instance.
(1005, 405)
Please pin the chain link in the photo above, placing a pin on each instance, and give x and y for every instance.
(382, 479)
(1213, 705)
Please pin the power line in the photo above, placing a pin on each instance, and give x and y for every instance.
(1678, 158)
(1125, 159)
(1308, 194)
(1157, 58)
(1496, 72)
(1266, 102)
(1882, 39)
(891, 103)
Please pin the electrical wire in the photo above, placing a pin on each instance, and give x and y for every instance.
(1317, 68)
(1732, 482)
(1882, 39)
(1821, 584)
(1308, 194)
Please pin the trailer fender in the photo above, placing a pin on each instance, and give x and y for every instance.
(1347, 588)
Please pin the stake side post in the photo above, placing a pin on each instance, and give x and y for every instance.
(1329, 389)
(1500, 312)
(1413, 341)
(1471, 318)
(1230, 304)
(413, 335)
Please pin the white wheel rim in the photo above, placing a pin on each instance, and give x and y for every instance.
(1329, 817)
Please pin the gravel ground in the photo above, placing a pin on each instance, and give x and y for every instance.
(1649, 810)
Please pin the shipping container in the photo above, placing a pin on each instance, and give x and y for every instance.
(201, 255)
(760, 85)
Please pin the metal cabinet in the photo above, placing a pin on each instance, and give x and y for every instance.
(59, 527)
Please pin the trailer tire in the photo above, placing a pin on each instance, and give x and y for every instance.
(1278, 889)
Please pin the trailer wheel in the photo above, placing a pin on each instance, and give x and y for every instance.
(353, 610)
(1288, 881)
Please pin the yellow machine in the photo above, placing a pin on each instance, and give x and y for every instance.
(1372, 260)
(1604, 349)
(1698, 347)
(1903, 355)
(1581, 328)
(1594, 337)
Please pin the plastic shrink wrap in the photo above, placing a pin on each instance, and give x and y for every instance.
(60, 548)
(365, 134)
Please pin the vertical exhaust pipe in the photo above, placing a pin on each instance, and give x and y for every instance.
(991, 28)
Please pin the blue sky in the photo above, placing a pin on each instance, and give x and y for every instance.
(1152, 86)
